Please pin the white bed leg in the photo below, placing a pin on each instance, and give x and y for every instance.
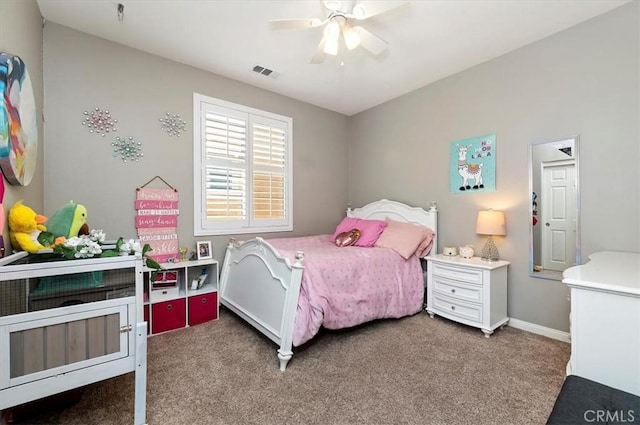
(284, 359)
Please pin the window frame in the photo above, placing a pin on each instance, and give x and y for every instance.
(203, 227)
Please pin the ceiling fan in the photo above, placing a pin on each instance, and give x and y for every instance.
(342, 22)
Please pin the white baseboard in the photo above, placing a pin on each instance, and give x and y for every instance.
(540, 330)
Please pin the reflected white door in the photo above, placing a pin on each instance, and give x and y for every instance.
(558, 215)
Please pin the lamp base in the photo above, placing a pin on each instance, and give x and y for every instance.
(490, 251)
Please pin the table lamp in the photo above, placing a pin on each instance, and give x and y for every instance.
(490, 223)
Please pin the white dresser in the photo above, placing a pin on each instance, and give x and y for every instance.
(605, 319)
(468, 290)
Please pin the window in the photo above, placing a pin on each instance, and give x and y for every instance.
(242, 169)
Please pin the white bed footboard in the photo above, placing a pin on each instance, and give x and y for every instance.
(262, 288)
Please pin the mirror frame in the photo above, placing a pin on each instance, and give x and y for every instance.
(553, 275)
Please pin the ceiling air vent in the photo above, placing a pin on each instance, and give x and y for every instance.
(266, 72)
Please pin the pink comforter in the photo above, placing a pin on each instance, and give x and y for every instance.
(343, 287)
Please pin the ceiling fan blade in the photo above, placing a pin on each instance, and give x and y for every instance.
(296, 23)
(366, 9)
(332, 5)
(371, 42)
(319, 55)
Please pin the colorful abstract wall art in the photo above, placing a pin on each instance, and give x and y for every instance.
(473, 165)
(18, 124)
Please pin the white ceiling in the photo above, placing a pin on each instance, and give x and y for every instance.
(428, 40)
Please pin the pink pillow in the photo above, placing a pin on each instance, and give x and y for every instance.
(425, 246)
(370, 230)
(405, 238)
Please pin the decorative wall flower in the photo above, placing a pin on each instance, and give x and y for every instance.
(173, 124)
(127, 149)
(99, 121)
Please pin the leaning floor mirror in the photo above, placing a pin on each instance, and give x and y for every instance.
(554, 206)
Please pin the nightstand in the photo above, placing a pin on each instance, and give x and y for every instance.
(468, 290)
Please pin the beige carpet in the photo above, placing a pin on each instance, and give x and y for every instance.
(415, 370)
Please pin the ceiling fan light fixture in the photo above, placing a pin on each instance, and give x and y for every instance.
(332, 5)
(351, 38)
(358, 12)
(332, 30)
(331, 46)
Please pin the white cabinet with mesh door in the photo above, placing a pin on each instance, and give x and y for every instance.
(65, 324)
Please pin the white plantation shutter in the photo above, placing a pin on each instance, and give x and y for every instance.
(269, 178)
(225, 156)
(225, 194)
(268, 196)
(225, 137)
(242, 160)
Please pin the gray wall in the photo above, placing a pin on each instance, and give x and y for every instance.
(21, 35)
(583, 81)
(84, 72)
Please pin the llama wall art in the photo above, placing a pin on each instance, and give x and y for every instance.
(473, 165)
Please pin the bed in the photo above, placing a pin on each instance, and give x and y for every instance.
(267, 282)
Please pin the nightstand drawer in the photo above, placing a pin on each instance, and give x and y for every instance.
(457, 290)
(450, 307)
(458, 273)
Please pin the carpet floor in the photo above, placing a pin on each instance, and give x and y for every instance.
(414, 370)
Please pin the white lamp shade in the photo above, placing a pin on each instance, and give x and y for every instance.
(331, 46)
(491, 223)
(351, 38)
(332, 5)
(332, 29)
(358, 11)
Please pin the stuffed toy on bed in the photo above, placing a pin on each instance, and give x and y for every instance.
(24, 228)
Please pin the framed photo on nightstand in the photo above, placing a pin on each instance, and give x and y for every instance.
(204, 250)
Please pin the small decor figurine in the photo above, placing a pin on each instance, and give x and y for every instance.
(466, 251)
(450, 251)
(183, 253)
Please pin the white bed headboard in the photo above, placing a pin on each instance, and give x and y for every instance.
(379, 210)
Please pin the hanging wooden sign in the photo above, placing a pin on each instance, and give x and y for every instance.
(157, 221)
